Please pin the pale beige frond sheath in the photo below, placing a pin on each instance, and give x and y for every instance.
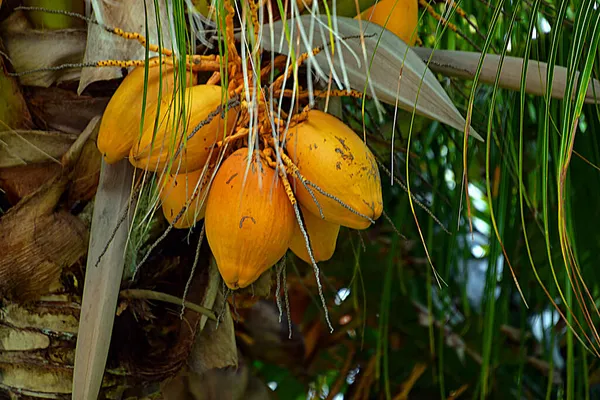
(102, 279)
(395, 72)
(463, 64)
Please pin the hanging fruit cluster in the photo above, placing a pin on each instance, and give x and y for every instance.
(263, 181)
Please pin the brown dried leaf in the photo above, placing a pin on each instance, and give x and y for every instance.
(129, 16)
(86, 174)
(58, 109)
(216, 384)
(230, 383)
(36, 240)
(32, 49)
(36, 243)
(215, 347)
(13, 109)
(264, 337)
(18, 182)
(27, 147)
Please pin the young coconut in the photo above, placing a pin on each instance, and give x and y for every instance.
(249, 219)
(402, 17)
(177, 192)
(152, 152)
(120, 126)
(322, 234)
(340, 166)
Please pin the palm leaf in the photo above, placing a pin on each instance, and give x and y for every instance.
(395, 75)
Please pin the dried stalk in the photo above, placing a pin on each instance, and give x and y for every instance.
(101, 289)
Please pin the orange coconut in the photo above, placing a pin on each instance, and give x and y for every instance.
(403, 17)
(177, 193)
(329, 154)
(249, 219)
(322, 234)
(153, 151)
(120, 126)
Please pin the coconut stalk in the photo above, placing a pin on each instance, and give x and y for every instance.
(102, 279)
(463, 64)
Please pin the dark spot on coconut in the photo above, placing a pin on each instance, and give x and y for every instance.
(245, 218)
(231, 178)
(347, 156)
(343, 142)
(338, 165)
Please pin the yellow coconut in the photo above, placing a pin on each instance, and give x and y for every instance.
(329, 154)
(176, 192)
(249, 219)
(403, 17)
(120, 126)
(152, 152)
(322, 234)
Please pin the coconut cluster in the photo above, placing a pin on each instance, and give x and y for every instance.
(263, 183)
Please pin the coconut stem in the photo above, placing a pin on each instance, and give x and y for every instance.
(167, 298)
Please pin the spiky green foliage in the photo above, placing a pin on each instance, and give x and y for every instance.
(532, 191)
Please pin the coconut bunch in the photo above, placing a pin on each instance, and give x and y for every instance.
(263, 183)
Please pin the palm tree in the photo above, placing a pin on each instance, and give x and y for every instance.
(477, 281)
